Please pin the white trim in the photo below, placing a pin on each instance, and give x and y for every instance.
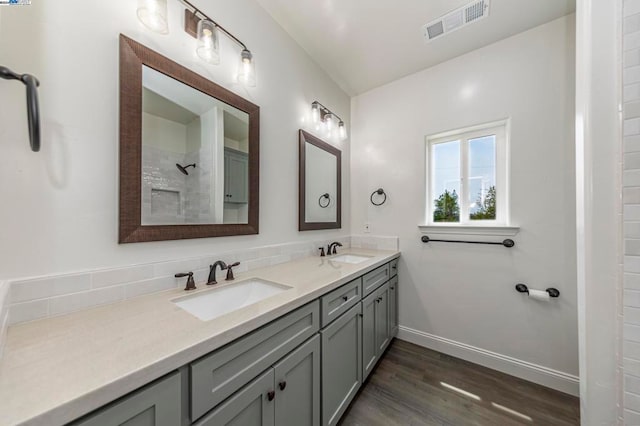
(500, 231)
(544, 376)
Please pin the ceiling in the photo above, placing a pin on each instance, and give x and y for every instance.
(363, 44)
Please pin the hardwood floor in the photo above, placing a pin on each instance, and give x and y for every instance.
(417, 386)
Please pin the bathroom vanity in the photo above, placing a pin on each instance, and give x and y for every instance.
(295, 358)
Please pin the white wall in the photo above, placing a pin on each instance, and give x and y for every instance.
(461, 298)
(59, 209)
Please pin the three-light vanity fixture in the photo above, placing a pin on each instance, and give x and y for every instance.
(154, 15)
(326, 122)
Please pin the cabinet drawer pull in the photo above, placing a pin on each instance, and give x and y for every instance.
(379, 299)
(282, 385)
(393, 288)
(345, 298)
(271, 395)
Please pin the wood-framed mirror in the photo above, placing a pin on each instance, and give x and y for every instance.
(189, 152)
(319, 184)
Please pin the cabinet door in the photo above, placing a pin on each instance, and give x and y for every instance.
(236, 176)
(369, 348)
(393, 306)
(341, 364)
(297, 385)
(250, 406)
(382, 319)
(158, 404)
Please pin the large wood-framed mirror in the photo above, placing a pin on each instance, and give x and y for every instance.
(189, 152)
(319, 184)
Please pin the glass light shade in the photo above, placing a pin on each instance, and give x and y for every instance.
(329, 124)
(246, 69)
(342, 131)
(153, 15)
(208, 49)
(315, 113)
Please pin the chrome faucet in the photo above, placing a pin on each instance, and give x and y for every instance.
(331, 248)
(230, 276)
(212, 271)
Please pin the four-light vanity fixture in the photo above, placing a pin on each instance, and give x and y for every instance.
(154, 15)
(326, 122)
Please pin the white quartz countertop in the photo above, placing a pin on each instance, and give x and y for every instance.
(57, 369)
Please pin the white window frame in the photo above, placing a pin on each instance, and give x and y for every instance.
(501, 130)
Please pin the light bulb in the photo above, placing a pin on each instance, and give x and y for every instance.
(246, 69)
(153, 15)
(208, 49)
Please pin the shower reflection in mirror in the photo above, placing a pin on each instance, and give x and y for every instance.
(194, 155)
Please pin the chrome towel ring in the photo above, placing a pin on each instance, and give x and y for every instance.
(378, 191)
(33, 110)
(327, 197)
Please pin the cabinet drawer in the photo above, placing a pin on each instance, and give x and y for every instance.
(393, 268)
(158, 404)
(339, 301)
(375, 279)
(215, 377)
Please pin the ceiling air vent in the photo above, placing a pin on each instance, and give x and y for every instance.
(456, 19)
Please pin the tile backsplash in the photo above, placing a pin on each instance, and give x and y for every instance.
(41, 297)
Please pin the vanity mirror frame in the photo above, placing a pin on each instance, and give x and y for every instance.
(303, 225)
(133, 56)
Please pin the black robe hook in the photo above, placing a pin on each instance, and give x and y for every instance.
(33, 110)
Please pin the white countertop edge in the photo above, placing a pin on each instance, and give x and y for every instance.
(121, 386)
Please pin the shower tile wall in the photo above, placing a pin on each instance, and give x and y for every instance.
(631, 211)
(170, 197)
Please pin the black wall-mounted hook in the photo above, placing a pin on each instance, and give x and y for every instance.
(33, 109)
(378, 191)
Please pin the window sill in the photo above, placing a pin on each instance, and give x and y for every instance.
(500, 231)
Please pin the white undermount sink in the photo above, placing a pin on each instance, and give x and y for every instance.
(350, 258)
(214, 303)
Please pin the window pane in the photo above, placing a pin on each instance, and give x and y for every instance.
(445, 178)
(482, 178)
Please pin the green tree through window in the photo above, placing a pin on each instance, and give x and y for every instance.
(487, 208)
(447, 208)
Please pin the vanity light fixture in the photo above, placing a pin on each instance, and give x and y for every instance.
(153, 15)
(199, 25)
(325, 120)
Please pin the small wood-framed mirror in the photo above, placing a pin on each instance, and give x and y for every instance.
(189, 152)
(319, 184)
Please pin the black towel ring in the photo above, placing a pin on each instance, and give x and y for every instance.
(378, 191)
(328, 197)
(33, 111)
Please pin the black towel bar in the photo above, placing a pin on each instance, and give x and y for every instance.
(507, 243)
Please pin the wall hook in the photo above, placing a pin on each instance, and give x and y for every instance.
(33, 109)
(378, 191)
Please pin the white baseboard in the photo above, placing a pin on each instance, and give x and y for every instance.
(544, 376)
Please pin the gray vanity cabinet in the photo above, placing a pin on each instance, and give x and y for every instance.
(287, 394)
(251, 405)
(297, 386)
(341, 364)
(375, 328)
(236, 172)
(393, 306)
(158, 404)
(383, 335)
